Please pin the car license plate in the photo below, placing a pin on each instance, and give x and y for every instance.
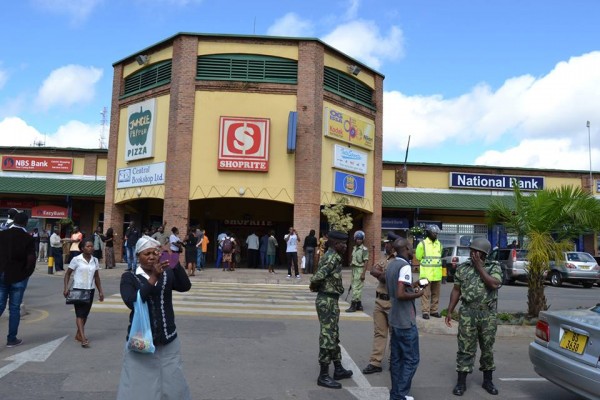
(584, 267)
(573, 342)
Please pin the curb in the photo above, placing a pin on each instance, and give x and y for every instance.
(438, 327)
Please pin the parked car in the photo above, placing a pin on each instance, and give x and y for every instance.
(514, 264)
(453, 256)
(566, 351)
(575, 267)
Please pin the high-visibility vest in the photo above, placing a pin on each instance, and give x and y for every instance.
(429, 255)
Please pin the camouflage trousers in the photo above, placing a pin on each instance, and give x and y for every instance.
(476, 326)
(328, 312)
(357, 283)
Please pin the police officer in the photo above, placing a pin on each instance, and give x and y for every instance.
(327, 281)
(476, 285)
(381, 326)
(429, 254)
(360, 256)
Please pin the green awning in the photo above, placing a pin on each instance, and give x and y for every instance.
(53, 187)
(444, 201)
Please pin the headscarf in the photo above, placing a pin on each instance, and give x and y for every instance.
(145, 242)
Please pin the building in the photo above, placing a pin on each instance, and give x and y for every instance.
(243, 133)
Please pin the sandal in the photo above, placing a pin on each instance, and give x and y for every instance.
(85, 344)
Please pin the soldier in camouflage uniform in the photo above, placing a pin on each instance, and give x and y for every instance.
(360, 256)
(327, 281)
(476, 285)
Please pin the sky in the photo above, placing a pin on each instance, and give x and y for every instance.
(470, 82)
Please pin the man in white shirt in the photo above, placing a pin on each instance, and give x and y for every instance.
(56, 250)
(291, 251)
(253, 244)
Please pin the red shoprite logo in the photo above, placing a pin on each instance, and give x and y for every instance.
(244, 144)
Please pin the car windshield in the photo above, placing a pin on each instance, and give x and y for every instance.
(581, 257)
(463, 251)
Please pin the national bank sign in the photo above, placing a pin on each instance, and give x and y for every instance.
(495, 182)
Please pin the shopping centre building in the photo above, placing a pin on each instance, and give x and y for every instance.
(255, 133)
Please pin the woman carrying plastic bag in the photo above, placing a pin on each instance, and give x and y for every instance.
(157, 375)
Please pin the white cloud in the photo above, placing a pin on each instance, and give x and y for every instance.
(3, 78)
(77, 10)
(372, 48)
(69, 85)
(352, 10)
(291, 25)
(555, 106)
(16, 132)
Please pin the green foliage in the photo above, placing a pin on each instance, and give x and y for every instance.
(336, 218)
(551, 219)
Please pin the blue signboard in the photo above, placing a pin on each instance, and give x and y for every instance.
(495, 182)
(352, 185)
(394, 223)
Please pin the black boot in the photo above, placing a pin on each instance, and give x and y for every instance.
(325, 380)
(339, 372)
(359, 306)
(352, 307)
(488, 385)
(461, 384)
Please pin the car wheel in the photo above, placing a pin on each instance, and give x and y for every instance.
(587, 285)
(555, 279)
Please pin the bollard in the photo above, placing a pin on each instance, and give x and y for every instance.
(50, 265)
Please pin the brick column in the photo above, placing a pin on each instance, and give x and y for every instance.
(181, 130)
(307, 185)
(114, 214)
(372, 222)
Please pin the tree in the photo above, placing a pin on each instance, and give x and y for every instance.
(551, 219)
(336, 218)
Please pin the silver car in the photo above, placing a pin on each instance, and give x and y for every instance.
(575, 267)
(566, 350)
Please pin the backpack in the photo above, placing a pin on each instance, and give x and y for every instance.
(227, 245)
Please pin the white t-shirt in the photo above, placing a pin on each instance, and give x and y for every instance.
(292, 243)
(172, 240)
(83, 272)
(405, 275)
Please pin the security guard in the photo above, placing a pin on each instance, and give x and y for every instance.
(429, 254)
(381, 326)
(476, 285)
(327, 281)
(360, 256)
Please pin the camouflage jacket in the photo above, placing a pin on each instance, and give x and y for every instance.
(329, 273)
(360, 255)
(473, 290)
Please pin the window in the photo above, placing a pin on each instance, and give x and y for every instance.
(351, 88)
(148, 78)
(247, 68)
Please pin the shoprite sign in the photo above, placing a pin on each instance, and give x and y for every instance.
(495, 182)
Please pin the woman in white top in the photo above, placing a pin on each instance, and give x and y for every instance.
(84, 269)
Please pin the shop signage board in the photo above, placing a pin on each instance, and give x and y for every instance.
(349, 159)
(37, 164)
(141, 175)
(342, 126)
(18, 204)
(49, 211)
(244, 144)
(394, 223)
(495, 182)
(141, 122)
(349, 184)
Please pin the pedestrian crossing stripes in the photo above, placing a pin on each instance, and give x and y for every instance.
(241, 300)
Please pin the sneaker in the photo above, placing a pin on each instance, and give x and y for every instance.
(297, 276)
(14, 343)
(289, 276)
(409, 398)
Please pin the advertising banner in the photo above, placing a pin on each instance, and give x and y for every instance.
(49, 211)
(349, 159)
(37, 164)
(244, 144)
(342, 126)
(141, 120)
(141, 175)
(495, 182)
(352, 185)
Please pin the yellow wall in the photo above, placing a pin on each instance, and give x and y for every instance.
(553, 183)
(101, 167)
(207, 181)
(341, 64)
(388, 178)
(427, 179)
(205, 48)
(327, 194)
(78, 165)
(155, 57)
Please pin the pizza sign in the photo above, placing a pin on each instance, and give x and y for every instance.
(244, 144)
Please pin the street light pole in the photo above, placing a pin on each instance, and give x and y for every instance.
(590, 151)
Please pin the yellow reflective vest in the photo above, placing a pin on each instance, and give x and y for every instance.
(429, 255)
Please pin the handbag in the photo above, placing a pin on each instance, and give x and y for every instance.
(140, 334)
(79, 296)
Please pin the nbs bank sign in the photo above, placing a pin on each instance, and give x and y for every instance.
(495, 182)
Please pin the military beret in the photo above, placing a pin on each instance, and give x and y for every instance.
(391, 236)
(337, 235)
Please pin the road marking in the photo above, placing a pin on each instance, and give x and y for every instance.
(523, 379)
(241, 300)
(43, 315)
(37, 354)
(363, 390)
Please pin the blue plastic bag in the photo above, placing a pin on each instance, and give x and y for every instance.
(140, 334)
